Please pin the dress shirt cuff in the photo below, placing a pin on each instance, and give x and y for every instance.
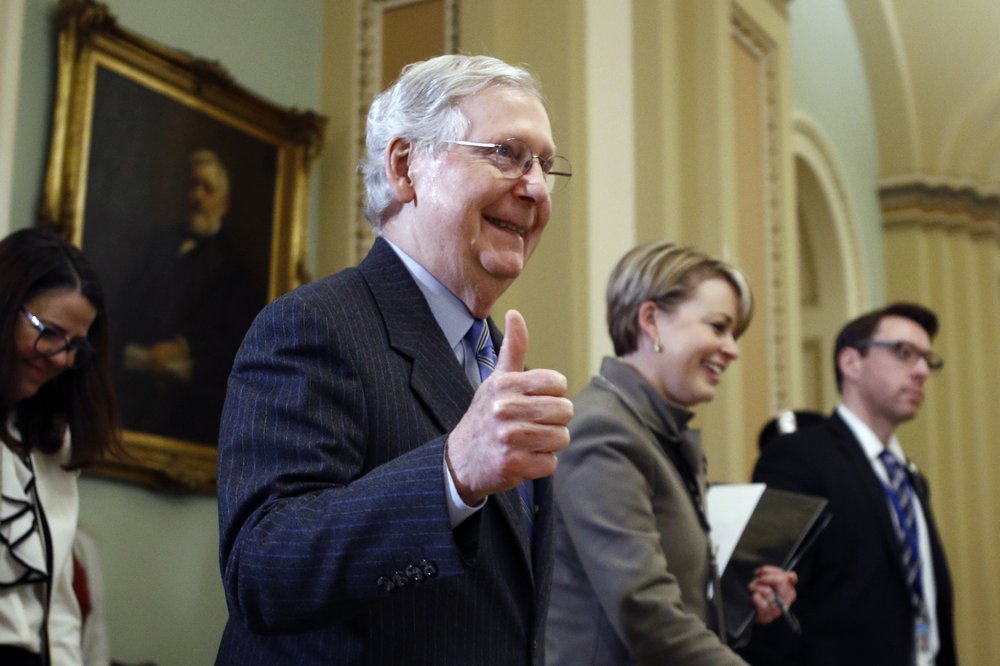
(458, 510)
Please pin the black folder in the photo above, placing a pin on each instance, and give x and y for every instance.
(783, 525)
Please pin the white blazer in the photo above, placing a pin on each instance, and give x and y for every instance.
(21, 608)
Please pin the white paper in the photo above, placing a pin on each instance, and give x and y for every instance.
(730, 506)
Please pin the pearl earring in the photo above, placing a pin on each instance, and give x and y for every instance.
(657, 347)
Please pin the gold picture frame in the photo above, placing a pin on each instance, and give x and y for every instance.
(155, 152)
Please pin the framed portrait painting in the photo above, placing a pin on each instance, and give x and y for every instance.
(188, 195)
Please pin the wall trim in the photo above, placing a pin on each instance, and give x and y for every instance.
(749, 33)
(810, 144)
(11, 29)
(919, 204)
(369, 83)
(966, 186)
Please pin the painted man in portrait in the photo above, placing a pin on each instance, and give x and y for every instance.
(192, 303)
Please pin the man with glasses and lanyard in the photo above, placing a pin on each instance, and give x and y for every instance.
(383, 460)
(875, 588)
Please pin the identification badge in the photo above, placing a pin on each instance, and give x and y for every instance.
(922, 631)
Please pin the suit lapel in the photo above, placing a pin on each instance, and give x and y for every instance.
(436, 378)
(942, 579)
(872, 488)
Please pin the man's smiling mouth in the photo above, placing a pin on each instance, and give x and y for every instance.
(496, 222)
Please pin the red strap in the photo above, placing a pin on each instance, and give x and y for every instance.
(81, 589)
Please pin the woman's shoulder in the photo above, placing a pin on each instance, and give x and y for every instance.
(604, 419)
(601, 401)
(56, 460)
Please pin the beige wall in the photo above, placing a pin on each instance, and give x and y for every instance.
(674, 133)
(943, 249)
(677, 116)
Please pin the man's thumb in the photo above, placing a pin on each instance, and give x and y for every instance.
(515, 343)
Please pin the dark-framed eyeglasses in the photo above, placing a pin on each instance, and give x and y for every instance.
(907, 352)
(513, 158)
(52, 341)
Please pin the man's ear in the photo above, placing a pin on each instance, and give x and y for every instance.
(397, 170)
(849, 362)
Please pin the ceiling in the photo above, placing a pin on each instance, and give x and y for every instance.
(934, 72)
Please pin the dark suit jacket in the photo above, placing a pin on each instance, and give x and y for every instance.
(206, 296)
(853, 602)
(336, 546)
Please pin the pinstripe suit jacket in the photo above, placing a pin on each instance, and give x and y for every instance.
(335, 541)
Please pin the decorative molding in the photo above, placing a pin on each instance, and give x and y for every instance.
(370, 64)
(749, 34)
(369, 84)
(11, 27)
(931, 182)
(919, 204)
(812, 146)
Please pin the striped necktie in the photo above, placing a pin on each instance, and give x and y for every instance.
(901, 496)
(486, 358)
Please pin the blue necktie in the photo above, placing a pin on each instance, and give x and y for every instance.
(901, 496)
(486, 358)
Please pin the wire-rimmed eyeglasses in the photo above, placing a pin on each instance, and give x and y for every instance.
(513, 158)
(52, 341)
(907, 352)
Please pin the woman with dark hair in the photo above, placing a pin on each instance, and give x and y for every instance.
(57, 398)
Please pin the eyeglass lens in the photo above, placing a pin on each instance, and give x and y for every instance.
(909, 353)
(515, 159)
(51, 342)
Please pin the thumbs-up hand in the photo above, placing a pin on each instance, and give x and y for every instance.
(514, 426)
(515, 344)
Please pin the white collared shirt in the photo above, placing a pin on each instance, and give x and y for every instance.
(872, 446)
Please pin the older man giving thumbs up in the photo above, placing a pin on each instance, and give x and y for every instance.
(383, 460)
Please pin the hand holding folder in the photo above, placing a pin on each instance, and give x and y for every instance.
(753, 525)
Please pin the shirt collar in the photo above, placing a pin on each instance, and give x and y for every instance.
(870, 443)
(450, 313)
(672, 416)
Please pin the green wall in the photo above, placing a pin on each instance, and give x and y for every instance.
(164, 601)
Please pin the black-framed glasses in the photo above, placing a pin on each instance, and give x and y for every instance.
(907, 352)
(52, 341)
(514, 158)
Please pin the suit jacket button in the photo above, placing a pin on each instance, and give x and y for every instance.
(414, 574)
(429, 568)
(385, 584)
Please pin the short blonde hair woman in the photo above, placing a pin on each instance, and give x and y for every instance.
(634, 569)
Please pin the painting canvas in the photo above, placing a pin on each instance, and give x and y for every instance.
(186, 192)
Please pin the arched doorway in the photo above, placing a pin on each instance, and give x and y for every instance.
(830, 277)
